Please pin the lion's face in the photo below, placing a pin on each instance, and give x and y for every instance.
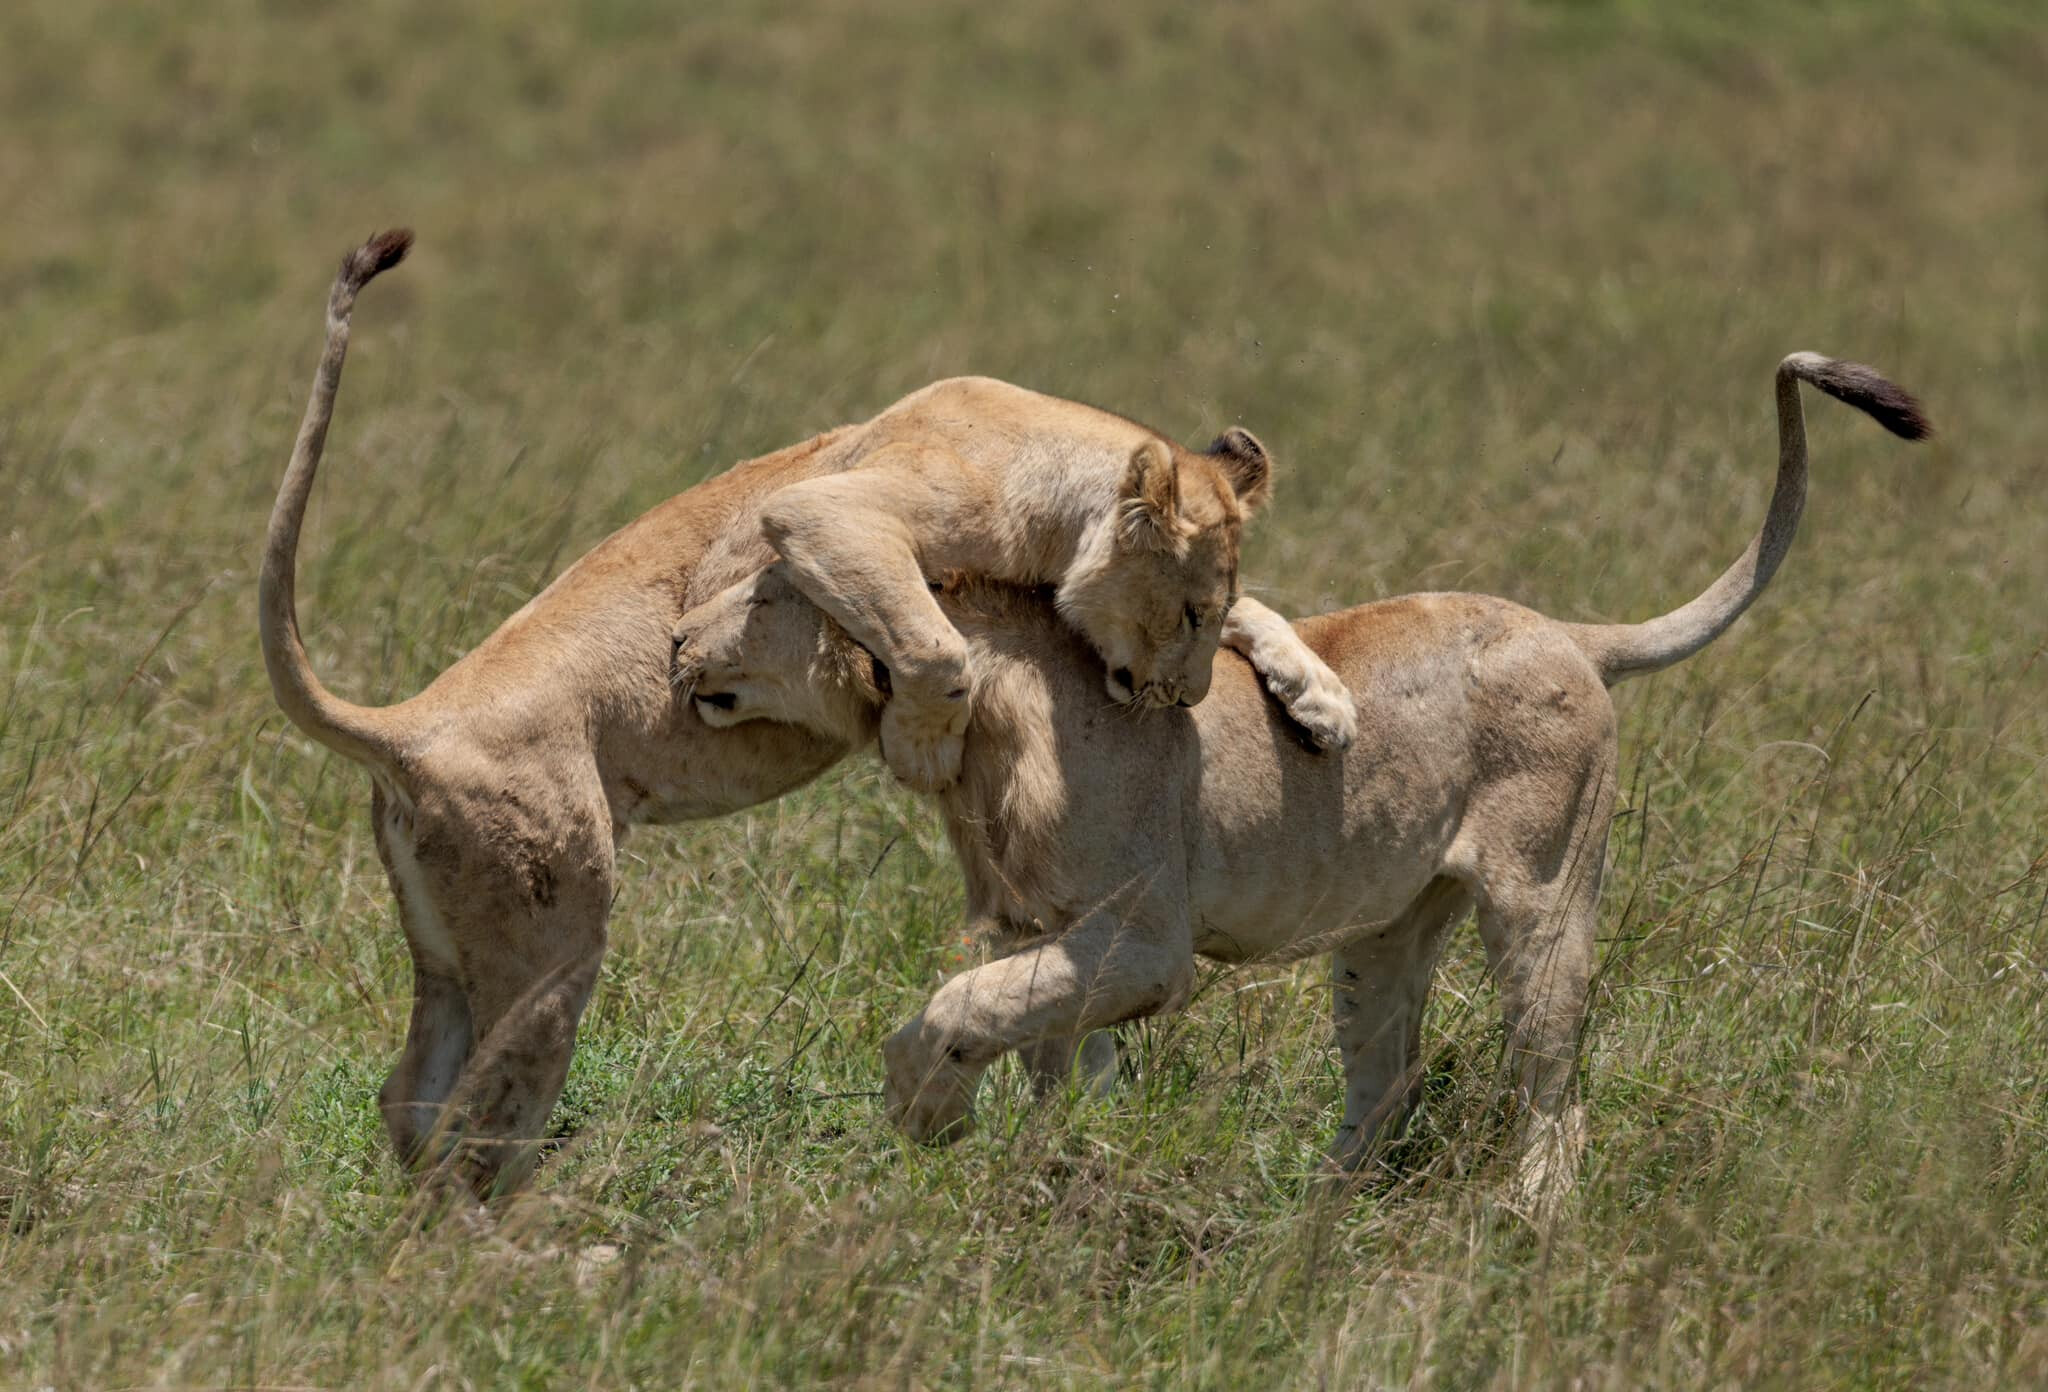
(761, 650)
(1152, 591)
(1156, 616)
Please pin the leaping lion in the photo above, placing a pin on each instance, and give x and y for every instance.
(1137, 536)
(500, 793)
(1106, 854)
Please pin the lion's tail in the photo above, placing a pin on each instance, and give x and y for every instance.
(1628, 650)
(365, 734)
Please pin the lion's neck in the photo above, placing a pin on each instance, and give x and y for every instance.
(1047, 521)
(1005, 814)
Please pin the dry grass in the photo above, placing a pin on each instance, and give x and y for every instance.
(1501, 285)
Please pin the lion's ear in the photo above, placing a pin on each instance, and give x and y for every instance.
(1246, 464)
(1150, 502)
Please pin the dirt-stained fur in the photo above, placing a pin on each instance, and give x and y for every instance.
(500, 793)
(1109, 852)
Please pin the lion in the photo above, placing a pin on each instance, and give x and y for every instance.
(501, 793)
(1138, 537)
(1106, 854)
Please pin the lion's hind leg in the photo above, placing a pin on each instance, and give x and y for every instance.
(1379, 983)
(437, 1044)
(518, 880)
(1539, 918)
(500, 1110)
(437, 1038)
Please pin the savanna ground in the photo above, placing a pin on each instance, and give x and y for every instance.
(1501, 285)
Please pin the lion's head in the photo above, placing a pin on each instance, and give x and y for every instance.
(1150, 590)
(761, 650)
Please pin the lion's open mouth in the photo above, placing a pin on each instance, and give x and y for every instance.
(720, 700)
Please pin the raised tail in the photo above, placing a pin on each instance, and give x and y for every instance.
(363, 733)
(1630, 650)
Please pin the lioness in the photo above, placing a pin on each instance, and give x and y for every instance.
(501, 792)
(1483, 776)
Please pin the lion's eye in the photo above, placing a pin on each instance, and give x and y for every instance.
(1190, 620)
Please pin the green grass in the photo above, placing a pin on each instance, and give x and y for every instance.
(1501, 285)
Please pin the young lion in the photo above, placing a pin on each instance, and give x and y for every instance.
(1483, 777)
(1138, 536)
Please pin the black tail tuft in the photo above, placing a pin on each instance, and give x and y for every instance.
(1870, 392)
(379, 254)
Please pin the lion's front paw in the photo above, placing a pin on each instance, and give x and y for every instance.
(1323, 706)
(1315, 696)
(931, 1099)
(923, 744)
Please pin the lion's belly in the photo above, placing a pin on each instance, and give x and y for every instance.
(1301, 890)
(1292, 850)
(683, 770)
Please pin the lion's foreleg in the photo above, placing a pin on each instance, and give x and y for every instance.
(1315, 696)
(1100, 972)
(1050, 1063)
(851, 543)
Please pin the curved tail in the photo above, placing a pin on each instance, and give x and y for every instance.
(365, 734)
(1630, 650)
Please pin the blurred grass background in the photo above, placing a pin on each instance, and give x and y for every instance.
(1502, 285)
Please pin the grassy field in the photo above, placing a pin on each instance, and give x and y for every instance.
(1502, 286)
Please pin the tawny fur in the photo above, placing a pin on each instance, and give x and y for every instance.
(1482, 778)
(1138, 536)
(501, 792)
